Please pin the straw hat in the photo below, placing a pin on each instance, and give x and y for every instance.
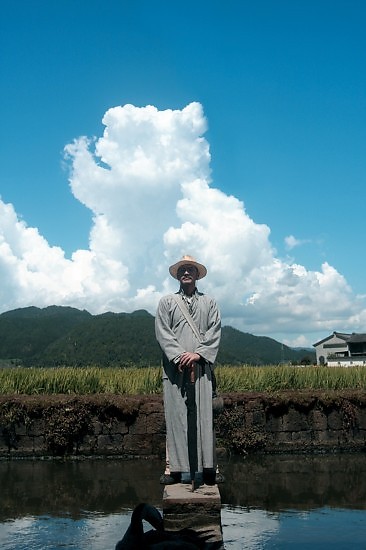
(187, 260)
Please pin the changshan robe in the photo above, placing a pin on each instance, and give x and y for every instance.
(175, 336)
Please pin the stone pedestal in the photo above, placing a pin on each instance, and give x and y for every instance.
(199, 510)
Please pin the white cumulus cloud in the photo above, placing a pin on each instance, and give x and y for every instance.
(147, 182)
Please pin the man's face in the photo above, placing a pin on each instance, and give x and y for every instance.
(187, 274)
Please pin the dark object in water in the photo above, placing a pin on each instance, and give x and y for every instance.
(158, 539)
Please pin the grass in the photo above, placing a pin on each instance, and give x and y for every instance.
(80, 380)
(274, 378)
(136, 381)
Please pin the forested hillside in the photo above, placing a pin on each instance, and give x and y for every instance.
(55, 336)
(28, 331)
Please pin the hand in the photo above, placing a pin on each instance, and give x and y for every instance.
(188, 358)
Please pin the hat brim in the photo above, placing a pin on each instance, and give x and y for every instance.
(173, 269)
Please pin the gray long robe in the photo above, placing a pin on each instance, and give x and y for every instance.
(175, 336)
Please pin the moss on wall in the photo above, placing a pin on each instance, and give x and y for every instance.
(91, 425)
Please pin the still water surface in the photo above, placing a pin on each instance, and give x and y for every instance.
(269, 503)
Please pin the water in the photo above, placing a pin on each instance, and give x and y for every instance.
(269, 503)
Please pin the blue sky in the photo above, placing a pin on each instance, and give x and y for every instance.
(282, 88)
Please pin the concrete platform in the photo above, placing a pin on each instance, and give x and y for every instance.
(199, 510)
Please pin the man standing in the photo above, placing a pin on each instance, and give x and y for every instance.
(188, 330)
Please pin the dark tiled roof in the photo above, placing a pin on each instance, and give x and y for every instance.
(357, 337)
(342, 335)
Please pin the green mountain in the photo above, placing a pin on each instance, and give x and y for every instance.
(241, 347)
(57, 335)
(28, 331)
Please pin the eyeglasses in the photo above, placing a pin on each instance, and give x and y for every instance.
(191, 269)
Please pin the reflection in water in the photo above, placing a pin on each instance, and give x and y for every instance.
(284, 482)
(73, 487)
(269, 502)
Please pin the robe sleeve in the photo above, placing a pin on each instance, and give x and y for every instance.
(209, 346)
(165, 336)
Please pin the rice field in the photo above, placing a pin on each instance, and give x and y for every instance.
(136, 381)
(275, 378)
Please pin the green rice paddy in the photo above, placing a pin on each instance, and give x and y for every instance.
(135, 381)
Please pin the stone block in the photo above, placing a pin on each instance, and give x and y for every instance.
(120, 427)
(25, 443)
(284, 437)
(39, 444)
(138, 444)
(3, 446)
(335, 421)
(88, 444)
(199, 510)
(274, 424)
(258, 418)
(318, 419)
(158, 445)
(332, 435)
(303, 436)
(320, 435)
(294, 421)
(21, 429)
(97, 427)
(155, 423)
(117, 440)
(36, 428)
(139, 426)
(105, 442)
(360, 417)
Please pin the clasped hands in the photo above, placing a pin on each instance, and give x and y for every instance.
(188, 359)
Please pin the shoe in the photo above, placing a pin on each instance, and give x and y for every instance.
(170, 479)
(209, 476)
(219, 478)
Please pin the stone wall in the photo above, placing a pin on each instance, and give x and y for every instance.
(107, 425)
(34, 426)
(294, 422)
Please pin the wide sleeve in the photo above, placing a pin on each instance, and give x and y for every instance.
(165, 336)
(209, 346)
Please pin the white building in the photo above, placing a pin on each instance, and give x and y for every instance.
(341, 350)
